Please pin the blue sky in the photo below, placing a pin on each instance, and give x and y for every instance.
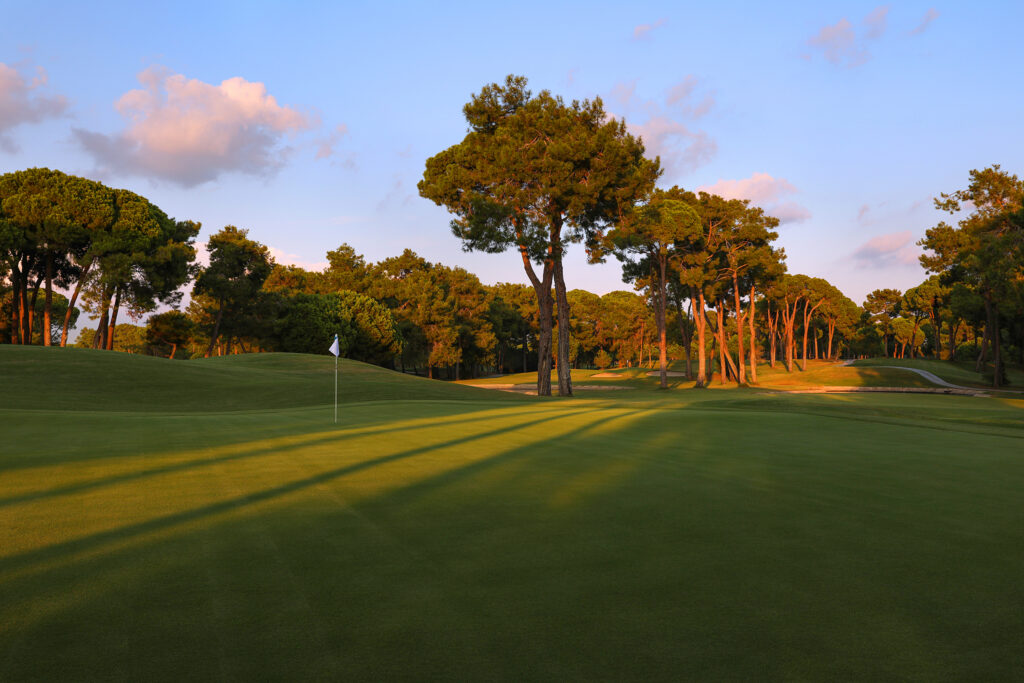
(309, 123)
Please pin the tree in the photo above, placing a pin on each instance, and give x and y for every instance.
(171, 328)
(986, 249)
(237, 270)
(651, 232)
(884, 306)
(45, 217)
(535, 174)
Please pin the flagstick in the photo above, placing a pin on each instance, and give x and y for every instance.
(335, 390)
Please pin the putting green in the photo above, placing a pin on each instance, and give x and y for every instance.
(165, 526)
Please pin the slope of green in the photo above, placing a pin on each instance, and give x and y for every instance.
(84, 379)
(716, 535)
(955, 373)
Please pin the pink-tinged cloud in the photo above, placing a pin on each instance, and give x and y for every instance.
(758, 188)
(875, 21)
(623, 92)
(681, 150)
(642, 31)
(681, 91)
(789, 212)
(679, 96)
(883, 251)
(862, 211)
(191, 132)
(326, 146)
(765, 191)
(838, 44)
(20, 102)
(931, 15)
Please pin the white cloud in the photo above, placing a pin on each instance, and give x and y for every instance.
(285, 259)
(642, 31)
(20, 102)
(931, 15)
(191, 132)
(892, 249)
(765, 191)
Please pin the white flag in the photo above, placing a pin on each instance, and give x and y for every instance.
(334, 347)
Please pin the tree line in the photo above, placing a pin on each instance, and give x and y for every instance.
(533, 175)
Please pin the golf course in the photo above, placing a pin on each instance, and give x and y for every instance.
(171, 520)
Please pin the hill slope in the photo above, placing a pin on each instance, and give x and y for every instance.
(83, 379)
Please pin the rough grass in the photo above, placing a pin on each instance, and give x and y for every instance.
(722, 535)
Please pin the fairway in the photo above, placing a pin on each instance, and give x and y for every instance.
(202, 520)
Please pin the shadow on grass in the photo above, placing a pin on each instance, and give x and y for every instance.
(274, 448)
(91, 542)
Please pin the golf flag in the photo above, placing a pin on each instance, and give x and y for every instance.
(336, 350)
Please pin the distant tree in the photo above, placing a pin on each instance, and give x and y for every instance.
(238, 267)
(535, 174)
(651, 232)
(884, 307)
(986, 249)
(171, 328)
(602, 360)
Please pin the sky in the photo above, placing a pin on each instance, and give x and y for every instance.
(309, 123)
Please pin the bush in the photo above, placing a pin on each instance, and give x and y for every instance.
(602, 360)
(966, 351)
(366, 329)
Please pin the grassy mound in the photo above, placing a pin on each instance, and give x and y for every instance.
(84, 379)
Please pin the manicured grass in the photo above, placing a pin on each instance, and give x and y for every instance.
(818, 373)
(446, 532)
(956, 373)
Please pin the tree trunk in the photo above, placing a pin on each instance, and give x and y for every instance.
(685, 335)
(662, 338)
(753, 338)
(803, 359)
(992, 314)
(542, 288)
(720, 318)
(113, 320)
(983, 355)
(701, 324)
(32, 309)
(99, 340)
(741, 377)
(831, 332)
(564, 328)
(48, 303)
(216, 329)
(773, 334)
(71, 304)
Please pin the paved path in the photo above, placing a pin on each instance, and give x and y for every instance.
(930, 376)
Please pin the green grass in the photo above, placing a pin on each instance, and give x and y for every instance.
(818, 373)
(441, 531)
(956, 373)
